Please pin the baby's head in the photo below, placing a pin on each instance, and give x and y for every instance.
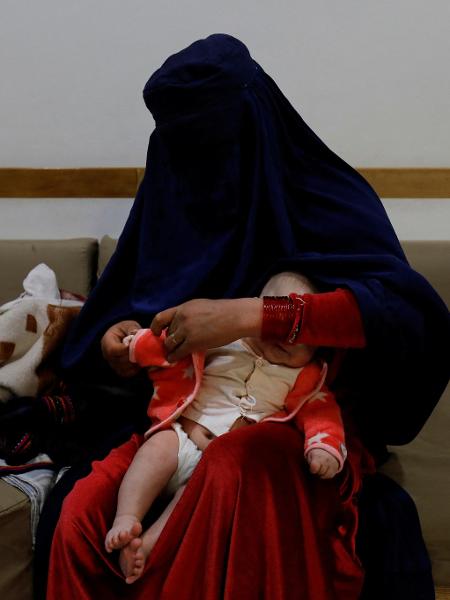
(288, 282)
(290, 355)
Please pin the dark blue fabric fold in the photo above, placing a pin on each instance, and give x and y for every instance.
(390, 544)
(238, 187)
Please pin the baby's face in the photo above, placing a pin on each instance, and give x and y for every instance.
(279, 353)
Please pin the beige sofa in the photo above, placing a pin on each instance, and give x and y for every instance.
(422, 467)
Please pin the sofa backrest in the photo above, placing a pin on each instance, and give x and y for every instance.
(73, 260)
(420, 466)
(430, 258)
(77, 262)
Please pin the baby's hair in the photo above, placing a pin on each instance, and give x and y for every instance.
(288, 282)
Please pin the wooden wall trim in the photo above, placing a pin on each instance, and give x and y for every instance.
(103, 182)
(122, 182)
(409, 182)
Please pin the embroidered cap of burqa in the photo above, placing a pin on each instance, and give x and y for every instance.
(238, 187)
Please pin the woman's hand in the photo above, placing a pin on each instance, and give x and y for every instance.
(201, 324)
(115, 352)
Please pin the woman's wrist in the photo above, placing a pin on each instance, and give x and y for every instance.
(282, 318)
(330, 319)
(249, 315)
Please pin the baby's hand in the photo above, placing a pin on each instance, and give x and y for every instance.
(322, 463)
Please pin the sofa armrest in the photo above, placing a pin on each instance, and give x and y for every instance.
(16, 556)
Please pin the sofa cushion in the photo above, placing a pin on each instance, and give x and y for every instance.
(74, 262)
(431, 259)
(16, 555)
(106, 249)
(423, 466)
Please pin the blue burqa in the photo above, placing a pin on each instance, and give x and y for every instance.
(238, 187)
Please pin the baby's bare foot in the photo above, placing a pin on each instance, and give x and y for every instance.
(132, 560)
(322, 463)
(125, 528)
(150, 538)
(133, 556)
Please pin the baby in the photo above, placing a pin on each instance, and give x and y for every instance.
(204, 396)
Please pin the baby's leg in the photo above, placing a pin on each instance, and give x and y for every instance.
(134, 556)
(152, 534)
(152, 467)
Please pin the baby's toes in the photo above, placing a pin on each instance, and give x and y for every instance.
(136, 530)
(115, 541)
(122, 538)
(138, 561)
(110, 542)
(136, 574)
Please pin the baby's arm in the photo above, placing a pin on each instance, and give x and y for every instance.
(320, 419)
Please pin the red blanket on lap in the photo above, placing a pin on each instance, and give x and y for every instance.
(252, 523)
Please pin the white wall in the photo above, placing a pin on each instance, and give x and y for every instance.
(370, 78)
(48, 218)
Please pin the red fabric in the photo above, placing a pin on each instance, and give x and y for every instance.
(331, 319)
(252, 524)
(297, 320)
(174, 384)
(320, 420)
(279, 312)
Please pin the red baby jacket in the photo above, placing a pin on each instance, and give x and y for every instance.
(310, 404)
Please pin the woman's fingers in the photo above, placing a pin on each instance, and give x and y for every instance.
(115, 348)
(178, 352)
(162, 320)
(173, 340)
(199, 324)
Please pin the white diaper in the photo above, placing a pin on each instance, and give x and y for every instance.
(188, 457)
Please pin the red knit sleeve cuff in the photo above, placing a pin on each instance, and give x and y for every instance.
(331, 319)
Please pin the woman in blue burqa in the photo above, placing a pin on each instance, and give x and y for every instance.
(238, 188)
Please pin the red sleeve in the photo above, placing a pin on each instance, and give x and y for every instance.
(331, 319)
(147, 349)
(320, 419)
